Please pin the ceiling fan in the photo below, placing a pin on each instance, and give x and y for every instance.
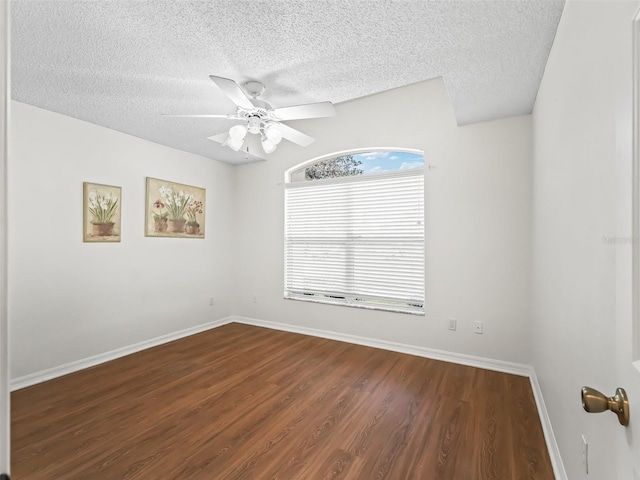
(259, 118)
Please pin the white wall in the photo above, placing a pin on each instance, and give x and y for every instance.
(582, 193)
(478, 217)
(70, 300)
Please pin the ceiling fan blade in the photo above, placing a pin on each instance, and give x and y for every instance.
(232, 90)
(294, 135)
(311, 110)
(220, 137)
(205, 115)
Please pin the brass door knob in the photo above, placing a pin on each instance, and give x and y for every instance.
(595, 402)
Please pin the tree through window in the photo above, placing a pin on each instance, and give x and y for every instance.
(343, 166)
(365, 163)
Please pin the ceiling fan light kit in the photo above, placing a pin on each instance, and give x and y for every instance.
(272, 133)
(254, 124)
(267, 145)
(238, 132)
(260, 118)
(234, 143)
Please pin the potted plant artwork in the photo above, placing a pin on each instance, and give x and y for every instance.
(160, 216)
(193, 227)
(102, 213)
(177, 204)
(174, 209)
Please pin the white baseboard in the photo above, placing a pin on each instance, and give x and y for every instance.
(55, 372)
(554, 451)
(459, 358)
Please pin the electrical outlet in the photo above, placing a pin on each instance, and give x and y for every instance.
(254, 298)
(477, 327)
(211, 301)
(452, 323)
(585, 454)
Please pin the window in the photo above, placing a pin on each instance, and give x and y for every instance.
(354, 231)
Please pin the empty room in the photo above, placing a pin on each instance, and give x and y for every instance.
(341, 239)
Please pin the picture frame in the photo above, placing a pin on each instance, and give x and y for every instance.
(174, 209)
(102, 213)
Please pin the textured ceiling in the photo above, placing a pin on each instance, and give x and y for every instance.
(120, 64)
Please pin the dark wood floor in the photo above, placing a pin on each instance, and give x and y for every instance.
(242, 402)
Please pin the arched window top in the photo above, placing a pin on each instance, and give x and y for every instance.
(373, 161)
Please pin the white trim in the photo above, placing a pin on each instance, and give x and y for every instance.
(552, 445)
(635, 244)
(459, 358)
(452, 357)
(5, 398)
(369, 306)
(67, 368)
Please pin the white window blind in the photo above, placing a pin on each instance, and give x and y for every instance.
(357, 240)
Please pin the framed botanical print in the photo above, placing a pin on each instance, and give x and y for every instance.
(101, 213)
(174, 209)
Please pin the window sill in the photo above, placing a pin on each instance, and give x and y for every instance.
(358, 305)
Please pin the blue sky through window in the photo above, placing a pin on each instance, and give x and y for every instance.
(380, 162)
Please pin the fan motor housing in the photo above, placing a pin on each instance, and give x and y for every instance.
(254, 124)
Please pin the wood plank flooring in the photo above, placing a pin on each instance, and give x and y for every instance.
(242, 402)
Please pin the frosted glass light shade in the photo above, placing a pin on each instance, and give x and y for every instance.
(273, 134)
(235, 143)
(268, 145)
(238, 132)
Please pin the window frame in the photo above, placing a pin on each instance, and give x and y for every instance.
(342, 299)
(301, 166)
